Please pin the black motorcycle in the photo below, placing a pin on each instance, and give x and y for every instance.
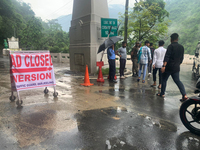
(190, 112)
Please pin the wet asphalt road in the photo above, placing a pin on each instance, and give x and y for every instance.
(127, 115)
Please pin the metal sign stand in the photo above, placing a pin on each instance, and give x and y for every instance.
(19, 102)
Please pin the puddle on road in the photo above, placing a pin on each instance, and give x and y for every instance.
(124, 129)
(115, 143)
(118, 113)
(115, 124)
(113, 90)
(34, 128)
(162, 124)
(67, 75)
(187, 140)
(121, 126)
(113, 110)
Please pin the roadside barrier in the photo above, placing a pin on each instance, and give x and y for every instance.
(86, 79)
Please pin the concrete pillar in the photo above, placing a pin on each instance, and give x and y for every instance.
(59, 57)
(85, 33)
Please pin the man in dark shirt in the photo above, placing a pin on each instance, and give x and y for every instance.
(171, 66)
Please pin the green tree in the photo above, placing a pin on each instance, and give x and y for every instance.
(147, 20)
(18, 19)
(55, 39)
(185, 20)
(31, 34)
(12, 18)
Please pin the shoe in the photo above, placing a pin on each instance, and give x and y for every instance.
(158, 94)
(143, 81)
(159, 87)
(114, 81)
(184, 99)
(122, 77)
(149, 75)
(138, 80)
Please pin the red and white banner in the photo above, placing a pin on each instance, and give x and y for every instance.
(30, 70)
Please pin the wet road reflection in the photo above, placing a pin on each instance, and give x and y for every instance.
(127, 115)
(131, 129)
(35, 127)
(188, 141)
(4, 64)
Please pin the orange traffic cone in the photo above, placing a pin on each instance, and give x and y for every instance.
(86, 79)
(100, 76)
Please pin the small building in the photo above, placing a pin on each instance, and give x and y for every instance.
(13, 45)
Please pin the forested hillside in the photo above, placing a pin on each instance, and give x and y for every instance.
(17, 19)
(185, 20)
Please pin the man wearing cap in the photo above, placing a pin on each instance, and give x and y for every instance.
(134, 59)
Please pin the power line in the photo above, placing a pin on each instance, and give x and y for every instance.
(63, 18)
(58, 9)
(63, 7)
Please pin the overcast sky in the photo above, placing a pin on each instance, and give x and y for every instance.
(51, 9)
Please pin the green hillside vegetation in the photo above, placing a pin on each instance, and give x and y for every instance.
(148, 20)
(17, 19)
(185, 20)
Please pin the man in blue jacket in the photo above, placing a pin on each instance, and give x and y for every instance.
(111, 61)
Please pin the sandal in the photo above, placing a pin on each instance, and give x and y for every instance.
(138, 80)
(143, 81)
(153, 85)
(159, 87)
(158, 94)
(184, 99)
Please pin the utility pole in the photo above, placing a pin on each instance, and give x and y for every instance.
(126, 21)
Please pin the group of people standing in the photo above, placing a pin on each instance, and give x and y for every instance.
(165, 61)
(148, 57)
(121, 52)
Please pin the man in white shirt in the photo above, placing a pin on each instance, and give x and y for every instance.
(158, 58)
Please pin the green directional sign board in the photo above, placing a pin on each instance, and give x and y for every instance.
(106, 24)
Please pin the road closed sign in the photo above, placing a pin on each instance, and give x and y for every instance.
(30, 70)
